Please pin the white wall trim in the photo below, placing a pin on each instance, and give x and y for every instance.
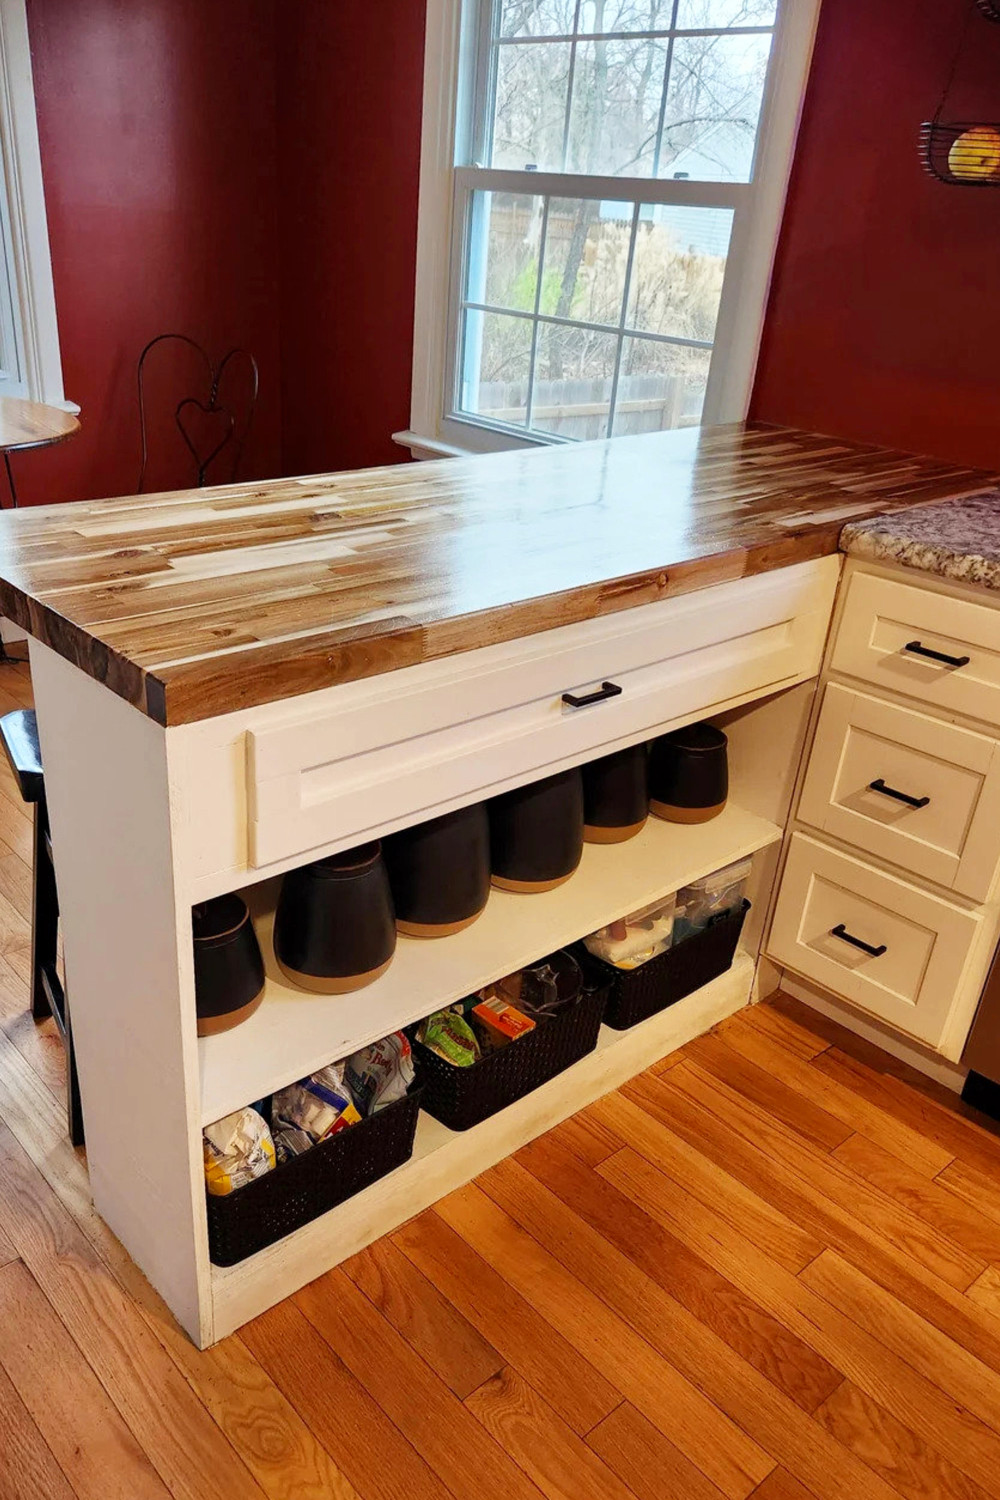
(33, 292)
(434, 228)
(755, 230)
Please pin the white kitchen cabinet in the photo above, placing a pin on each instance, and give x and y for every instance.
(888, 946)
(911, 789)
(895, 834)
(923, 642)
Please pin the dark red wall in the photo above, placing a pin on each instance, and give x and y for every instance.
(350, 91)
(884, 319)
(157, 125)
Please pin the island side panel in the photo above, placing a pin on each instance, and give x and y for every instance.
(130, 977)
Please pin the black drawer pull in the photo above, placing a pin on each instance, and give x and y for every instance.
(949, 661)
(846, 937)
(605, 691)
(890, 791)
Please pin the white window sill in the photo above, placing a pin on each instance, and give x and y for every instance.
(423, 447)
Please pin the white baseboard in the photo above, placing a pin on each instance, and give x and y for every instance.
(11, 632)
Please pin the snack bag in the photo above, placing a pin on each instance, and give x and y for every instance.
(237, 1150)
(380, 1074)
(320, 1105)
(291, 1142)
(451, 1037)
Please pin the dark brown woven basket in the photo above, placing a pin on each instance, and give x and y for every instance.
(636, 994)
(937, 138)
(311, 1184)
(463, 1097)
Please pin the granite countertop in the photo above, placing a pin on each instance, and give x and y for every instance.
(957, 539)
(194, 604)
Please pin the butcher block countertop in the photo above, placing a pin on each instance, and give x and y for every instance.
(200, 602)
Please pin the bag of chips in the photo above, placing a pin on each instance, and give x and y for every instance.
(449, 1035)
(320, 1105)
(237, 1149)
(380, 1074)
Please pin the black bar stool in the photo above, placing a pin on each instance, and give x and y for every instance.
(19, 735)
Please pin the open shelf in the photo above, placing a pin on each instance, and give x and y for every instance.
(295, 1032)
(444, 1159)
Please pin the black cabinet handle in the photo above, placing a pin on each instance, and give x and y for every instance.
(890, 791)
(845, 937)
(949, 661)
(605, 691)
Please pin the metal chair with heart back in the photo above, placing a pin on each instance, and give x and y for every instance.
(213, 427)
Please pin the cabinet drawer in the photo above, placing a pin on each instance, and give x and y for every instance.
(377, 754)
(921, 944)
(883, 624)
(862, 745)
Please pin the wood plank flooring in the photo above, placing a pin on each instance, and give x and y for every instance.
(769, 1267)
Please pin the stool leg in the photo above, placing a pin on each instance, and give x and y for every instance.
(45, 917)
(48, 994)
(74, 1109)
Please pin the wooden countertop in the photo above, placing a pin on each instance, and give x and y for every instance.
(29, 424)
(200, 602)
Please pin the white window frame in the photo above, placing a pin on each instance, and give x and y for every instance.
(450, 70)
(29, 331)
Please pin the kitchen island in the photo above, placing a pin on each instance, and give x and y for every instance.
(231, 683)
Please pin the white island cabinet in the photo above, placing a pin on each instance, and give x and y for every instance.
(231, 683)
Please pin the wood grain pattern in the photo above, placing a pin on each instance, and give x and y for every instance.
(942, 1123)
(768, 1052)
(426, 1319)
(641, 1371)
(525, 1338)
(716, 1302)
(178, 1434)
(28, 1471)
(648, 1462)
(589, 1139)
(882, 1372)
(831, 1220)
(792, 1108)
(986, 1290)
(824, 1180)
(32, 424)
(91, 1443)
(780, 1428)
(349, 1424)
(413, 1397)
(754, 1218)
(927, 1350)
(560, 1463)
(781, 1486)
(902, 1457)
(196, 603)
(978, 1235)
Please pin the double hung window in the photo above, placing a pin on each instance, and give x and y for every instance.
(615, 186)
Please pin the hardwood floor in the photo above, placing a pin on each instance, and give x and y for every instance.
(768, 1267)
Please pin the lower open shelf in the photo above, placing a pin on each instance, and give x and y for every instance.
(443, 1159)
(295, 1032)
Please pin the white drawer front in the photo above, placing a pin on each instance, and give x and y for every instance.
(863, 742)
(912, 984)
(883, 618)
(415, 742)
